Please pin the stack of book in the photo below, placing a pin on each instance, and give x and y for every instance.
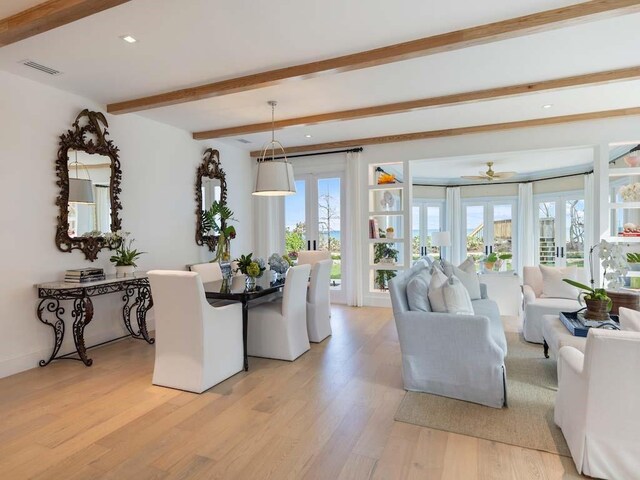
(83, 275)
(374, 229)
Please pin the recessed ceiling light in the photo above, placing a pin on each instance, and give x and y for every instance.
(128, 39)
(548, 105)
(308, 135)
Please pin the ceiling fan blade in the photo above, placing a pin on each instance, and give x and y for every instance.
(474, 177)
(504, 174)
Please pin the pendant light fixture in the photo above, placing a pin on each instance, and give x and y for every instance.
(80, 189)
(274, 177)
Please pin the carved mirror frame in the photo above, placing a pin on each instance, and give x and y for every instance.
(76, 139)
(209, 168)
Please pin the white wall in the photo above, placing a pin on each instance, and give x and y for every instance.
(158, 163)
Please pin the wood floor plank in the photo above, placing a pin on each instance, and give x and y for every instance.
(328, 415)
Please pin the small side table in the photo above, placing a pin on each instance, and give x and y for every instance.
(555, 336)
(623, 298)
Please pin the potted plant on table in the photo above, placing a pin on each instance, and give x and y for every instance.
(251, 268)
(215, 220)
(125, 256)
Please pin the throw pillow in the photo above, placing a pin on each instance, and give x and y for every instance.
(552, 284)
(436, 294)
(456, 297)
(417, 292)
(629, 319)
(466, 273)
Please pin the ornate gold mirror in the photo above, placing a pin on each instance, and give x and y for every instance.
(89, 178)
(211, 185)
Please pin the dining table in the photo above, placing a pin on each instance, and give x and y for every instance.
(236, 290)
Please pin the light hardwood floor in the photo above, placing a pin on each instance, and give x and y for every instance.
(328, 415)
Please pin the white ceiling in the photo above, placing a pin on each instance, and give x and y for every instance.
(190, 42)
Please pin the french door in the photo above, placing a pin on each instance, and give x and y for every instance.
(313, 221)
(427, 216)
(490, 228)
(560, 230)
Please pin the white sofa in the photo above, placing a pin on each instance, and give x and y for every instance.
(457, 356)
(597, 404)
(535, 306)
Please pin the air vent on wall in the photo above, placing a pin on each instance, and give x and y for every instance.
(42, 68)
(242, 140)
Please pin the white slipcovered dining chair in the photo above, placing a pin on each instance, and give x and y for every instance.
(597, 404)
(197, 345)
(278, 329)
(209, 272)
(311, 257)
(318, 302)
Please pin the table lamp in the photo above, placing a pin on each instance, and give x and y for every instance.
(440, 239)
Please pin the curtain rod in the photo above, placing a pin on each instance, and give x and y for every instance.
(349, 150)
(515, 182)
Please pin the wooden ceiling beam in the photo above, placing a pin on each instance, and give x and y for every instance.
(49, 15)
(533, 23)
(452, 132)
(445, 100)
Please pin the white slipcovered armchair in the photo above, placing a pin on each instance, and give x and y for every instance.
(536, 306)
(197, 345)
(209, 272)
(311, 257)
(597, 404)
(318, 302)
(278, 329)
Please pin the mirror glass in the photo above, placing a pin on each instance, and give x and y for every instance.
(211, 190)
(89, 194)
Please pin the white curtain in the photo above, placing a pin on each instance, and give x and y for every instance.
(589, 212)
(526, 227)
(453, 225)
(352, 263)
(269, 226)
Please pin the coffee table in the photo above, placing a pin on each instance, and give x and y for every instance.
(555, 336)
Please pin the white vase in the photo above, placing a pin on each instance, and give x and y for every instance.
(125, 270)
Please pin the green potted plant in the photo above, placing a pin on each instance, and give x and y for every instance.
(384, 253)
(598, 303)
(215, 220)
(125, 256)
(490, 260)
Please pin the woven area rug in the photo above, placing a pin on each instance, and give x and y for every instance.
(527, 421)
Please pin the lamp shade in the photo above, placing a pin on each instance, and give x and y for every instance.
(80, 190)
(441, 239)
(275, 178)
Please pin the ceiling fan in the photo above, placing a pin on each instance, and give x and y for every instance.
(490, 175)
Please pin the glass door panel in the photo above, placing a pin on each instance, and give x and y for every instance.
(417, 245)
(547, 233)
(434, 224)
(295, 220)
(502, 242)
(329, 223)
(474, 229)
(574, 233)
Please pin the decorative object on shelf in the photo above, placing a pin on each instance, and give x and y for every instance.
(632, 159)
(384, 253)
(211, 185)
(279, 264)
(387, 201)
(84, 275)
(390, 232)
(384, 178)
(374, 230)
(615, 267)
(88, 135)
(631, 192)
(125, 256)
(274, 176)
(630, 230)
(216, 220)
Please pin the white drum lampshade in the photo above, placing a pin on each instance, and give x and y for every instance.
(441, 239)
(80, 190)
(275, 178)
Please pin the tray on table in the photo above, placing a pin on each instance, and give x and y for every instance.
(578, 326)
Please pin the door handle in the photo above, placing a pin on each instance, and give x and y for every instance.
(308, 244)
(562, 252)
(557, 252)
(314, 245)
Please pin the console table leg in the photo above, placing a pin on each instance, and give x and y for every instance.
(82, 314)
(545, 346)
(144, 302)
(129, 293)
(52, 305)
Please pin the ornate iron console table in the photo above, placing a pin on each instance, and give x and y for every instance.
(136, 295)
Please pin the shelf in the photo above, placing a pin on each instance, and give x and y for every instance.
(383, 213)
(387, 186)
(623, 172)
(386, 240)
(386, 266)
(614, 206)
(624, 239)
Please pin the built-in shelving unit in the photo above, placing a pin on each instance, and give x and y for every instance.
(388, 207)
(622, 212)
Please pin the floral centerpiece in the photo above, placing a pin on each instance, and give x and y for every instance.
(279, 264)
(125, 256)
(215, 220)
(615, 267)
(252, 268)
